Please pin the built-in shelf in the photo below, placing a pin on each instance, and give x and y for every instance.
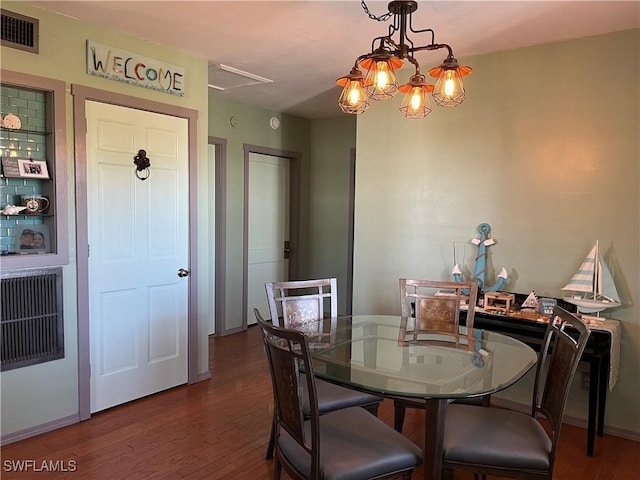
(40, 103)
(31, 215)
(27, 132)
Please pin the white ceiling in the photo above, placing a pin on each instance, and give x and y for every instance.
(304, 45)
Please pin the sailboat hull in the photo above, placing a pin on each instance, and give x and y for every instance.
(589, 305)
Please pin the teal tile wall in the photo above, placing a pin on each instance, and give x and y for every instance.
(28, 142)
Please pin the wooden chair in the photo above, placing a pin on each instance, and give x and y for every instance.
(346, 444)
(302, 305)
(513, 444)
(436, 308)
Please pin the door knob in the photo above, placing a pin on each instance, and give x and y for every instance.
(183, 272)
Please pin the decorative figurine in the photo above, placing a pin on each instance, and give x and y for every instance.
(592, 285)
(484, 229)
(12, 210)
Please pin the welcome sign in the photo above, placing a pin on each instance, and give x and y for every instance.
(122, 66)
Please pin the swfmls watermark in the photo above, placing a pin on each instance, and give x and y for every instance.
(31, 465)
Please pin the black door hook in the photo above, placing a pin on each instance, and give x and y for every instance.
(142, 164)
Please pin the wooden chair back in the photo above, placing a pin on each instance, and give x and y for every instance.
(436, 304)
(290, 367)
(300, 304)
(562, 347)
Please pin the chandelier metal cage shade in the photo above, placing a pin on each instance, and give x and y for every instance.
(416, 100)
(388, 55)
(354, 98)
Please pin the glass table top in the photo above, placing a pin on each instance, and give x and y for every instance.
(386, 355)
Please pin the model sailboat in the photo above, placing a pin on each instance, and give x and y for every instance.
(593, 285)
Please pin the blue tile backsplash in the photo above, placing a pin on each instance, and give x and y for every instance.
(28, 142)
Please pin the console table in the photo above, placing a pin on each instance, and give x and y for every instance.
(603, 342)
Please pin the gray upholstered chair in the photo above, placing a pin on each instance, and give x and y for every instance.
(434, 313)
(345, 444)
(514, 444)
(301, 305)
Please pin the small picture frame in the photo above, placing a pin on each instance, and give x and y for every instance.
(32, 239)
(547, 305)
(30, 168)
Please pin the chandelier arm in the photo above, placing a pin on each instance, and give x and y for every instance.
(424, 30)
(415, 63)
(433, 46)
(383, 41)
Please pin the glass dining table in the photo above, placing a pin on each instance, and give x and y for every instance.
(387, 356)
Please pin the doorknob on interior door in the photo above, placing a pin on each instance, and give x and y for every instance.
(183, 272)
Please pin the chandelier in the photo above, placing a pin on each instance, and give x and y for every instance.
(387, 55)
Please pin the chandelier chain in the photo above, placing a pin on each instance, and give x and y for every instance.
(381, 18)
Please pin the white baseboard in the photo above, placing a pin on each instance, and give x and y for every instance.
(569, 420)
(39, 429)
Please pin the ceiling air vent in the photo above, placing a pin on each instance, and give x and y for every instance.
(19, 31)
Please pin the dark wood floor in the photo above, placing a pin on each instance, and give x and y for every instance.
(218, 429)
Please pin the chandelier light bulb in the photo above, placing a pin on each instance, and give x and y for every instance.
(416, 98)
(355, 92)
(382, 77)
(449, 84)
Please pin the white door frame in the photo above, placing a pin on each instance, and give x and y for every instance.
(294, 216)
(220, 215)
(80, 95)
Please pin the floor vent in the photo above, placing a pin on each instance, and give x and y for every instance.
(32, 322)
(19, 31)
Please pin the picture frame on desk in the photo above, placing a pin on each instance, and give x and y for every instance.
(546, 306)
(32, 239)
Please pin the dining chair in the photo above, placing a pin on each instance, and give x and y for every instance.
(345, 444)
(301, 305)
(514, 444)
(435, 305)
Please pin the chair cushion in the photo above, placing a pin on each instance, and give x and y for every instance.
(353, 445)
(334, 397)
(495, 437)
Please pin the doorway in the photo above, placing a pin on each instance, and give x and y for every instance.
(81, 97)
(139, 253)
(271, 223)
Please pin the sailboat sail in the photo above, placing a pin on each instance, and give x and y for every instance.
(594, 284)
(607, 287)
(582, 280)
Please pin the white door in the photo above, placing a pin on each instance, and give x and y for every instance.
(268, 228)
(138, 240)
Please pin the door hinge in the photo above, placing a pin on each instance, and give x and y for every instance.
(287, 249)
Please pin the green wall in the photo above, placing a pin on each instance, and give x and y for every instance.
(252, 128)
(545, 149)
(45, 393)
(331, 143)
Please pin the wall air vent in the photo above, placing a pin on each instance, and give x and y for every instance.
(19, 31)
(31, 319)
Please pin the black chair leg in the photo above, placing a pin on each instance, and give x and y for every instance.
(372, 409)
(398, 416)
(272, 439)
